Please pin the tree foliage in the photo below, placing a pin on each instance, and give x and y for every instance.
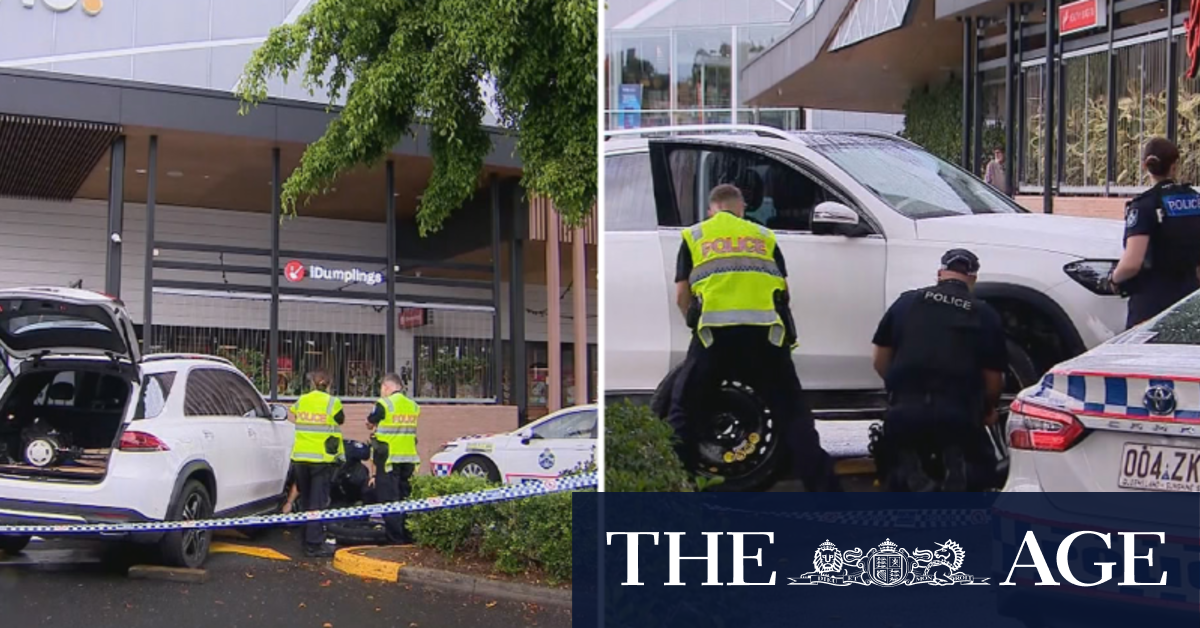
(401, 62)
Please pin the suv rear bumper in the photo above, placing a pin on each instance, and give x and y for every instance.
(20, 512)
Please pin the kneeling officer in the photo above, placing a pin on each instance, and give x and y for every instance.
(942, 355)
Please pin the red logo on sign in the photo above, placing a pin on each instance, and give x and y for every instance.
(293, 271)
(1078, 16)
(409, 318)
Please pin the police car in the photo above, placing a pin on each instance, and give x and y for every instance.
(1124, 416)
(546, 448)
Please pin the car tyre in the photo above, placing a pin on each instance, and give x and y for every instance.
(1021, 374)
(188, 548)
(13, 545)
(478, 466)
(770, 465)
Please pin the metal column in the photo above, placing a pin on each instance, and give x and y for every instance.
(1011, 29)
(389, 335)
(977, 160)
(968, 47)
(1172, 72)
(516, 305)
(148, 281)
(1111, 152)
(1048, 109)
(276, 217)
(579, 308)
(116, 218)
(553, 309)
(497, 340)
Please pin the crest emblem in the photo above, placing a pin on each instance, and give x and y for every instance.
(546, 459)
(1160, 400)
(1131, 217)
(888, 565)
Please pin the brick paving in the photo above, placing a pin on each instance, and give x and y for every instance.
(1083, 206)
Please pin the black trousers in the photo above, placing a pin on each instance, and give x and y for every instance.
(745, 354)
(394, 486)
(314, 481)
(931, 425)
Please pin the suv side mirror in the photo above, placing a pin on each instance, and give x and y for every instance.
(279, 412)
(836, 219)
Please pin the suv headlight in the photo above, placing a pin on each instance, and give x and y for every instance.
(448, 447)
(1091, 273)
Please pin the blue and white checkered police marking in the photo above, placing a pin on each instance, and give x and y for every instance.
(505, 493)
(1122, 396)
(928, 518)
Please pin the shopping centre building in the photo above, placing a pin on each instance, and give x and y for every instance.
(1116, 78)
(126, 168)
(677, 62)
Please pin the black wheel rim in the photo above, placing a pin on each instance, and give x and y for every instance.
(195, 542)
(740, 434)
(474, 470)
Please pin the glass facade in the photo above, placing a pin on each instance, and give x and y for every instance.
(1081, 159)
(686, 75)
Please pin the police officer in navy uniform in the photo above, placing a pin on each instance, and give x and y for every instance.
(1162, 239)
(941, 353)
(731, 287)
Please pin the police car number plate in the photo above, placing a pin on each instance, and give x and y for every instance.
(1160, 468)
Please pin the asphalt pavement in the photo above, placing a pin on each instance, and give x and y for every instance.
(79, 583)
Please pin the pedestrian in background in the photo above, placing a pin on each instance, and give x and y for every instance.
(315, 452)
(994, 174)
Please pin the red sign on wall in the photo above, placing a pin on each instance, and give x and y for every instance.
(1082, 15)
(410, 317)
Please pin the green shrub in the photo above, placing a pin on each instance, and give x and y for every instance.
(516, 535)
(450, 530)
(638, 453)
(529, 532)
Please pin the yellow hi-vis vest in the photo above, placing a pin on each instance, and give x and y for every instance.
(314, 425)
(399, 429)
(734, 275)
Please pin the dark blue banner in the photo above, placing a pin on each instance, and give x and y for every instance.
(886, 560)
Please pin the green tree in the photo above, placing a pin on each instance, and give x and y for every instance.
(401, 62)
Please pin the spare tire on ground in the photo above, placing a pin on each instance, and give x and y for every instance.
(357, 532)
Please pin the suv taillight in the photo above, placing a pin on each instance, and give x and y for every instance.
(140, 441)
(1036, 428)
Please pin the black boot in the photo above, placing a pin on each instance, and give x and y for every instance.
(910, 475)
(319, 551)
(956, 470)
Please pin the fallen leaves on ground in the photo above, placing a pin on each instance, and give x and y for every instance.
(303, 605)
(490, 604)
(327, 583)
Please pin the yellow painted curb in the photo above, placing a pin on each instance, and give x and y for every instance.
(246, 550)
(349, 562)
(854, 466)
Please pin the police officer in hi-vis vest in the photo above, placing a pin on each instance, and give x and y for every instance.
(318, 445)
(394, 445)
(1162, 238)
(731, 286)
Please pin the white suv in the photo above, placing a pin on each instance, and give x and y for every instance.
(860, 218)
(93, 432)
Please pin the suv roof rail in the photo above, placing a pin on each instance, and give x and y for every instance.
(159, 357)
(768, 131)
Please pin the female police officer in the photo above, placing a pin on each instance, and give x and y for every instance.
(1162, 238)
